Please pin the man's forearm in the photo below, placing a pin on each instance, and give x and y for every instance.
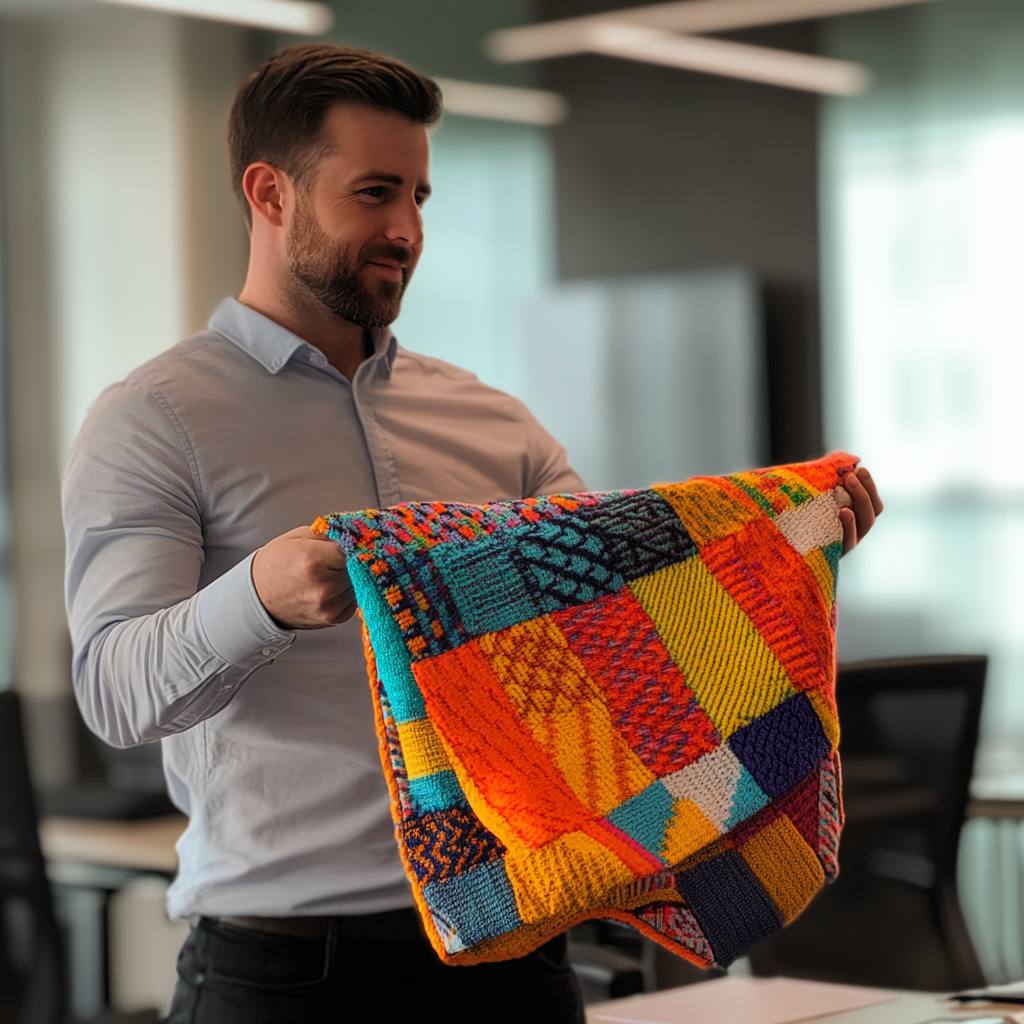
(153, 675)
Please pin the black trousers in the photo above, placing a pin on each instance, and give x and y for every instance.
(376, 968)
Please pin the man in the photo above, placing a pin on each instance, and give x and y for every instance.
(195, 592)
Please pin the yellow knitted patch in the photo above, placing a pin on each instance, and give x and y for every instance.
(823, 574)
(687, 832)
(536, 876)
(725, 660)
(824, 711)
(592, 755)
(537, 670)
(421, 748)
(785, 865)
(708, 512)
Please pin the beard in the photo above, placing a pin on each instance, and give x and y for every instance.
(324, 268)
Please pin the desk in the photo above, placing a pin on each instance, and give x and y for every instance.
(728, 1001)
(91, 865)
(146, 845)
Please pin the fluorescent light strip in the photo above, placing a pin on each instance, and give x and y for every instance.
(732, 60)
(297, 17)
(502, 102)
(561, 38)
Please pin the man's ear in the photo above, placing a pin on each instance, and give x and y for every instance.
(265, 187)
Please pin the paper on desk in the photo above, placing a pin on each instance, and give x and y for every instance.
(982, 1018)
(1015, 991)
(740, 1001)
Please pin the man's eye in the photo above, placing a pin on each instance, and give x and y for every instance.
(376, 191)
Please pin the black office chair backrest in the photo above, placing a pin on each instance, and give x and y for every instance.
(909, 734)
(32, 986)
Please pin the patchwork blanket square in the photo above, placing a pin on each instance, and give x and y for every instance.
(610, 705)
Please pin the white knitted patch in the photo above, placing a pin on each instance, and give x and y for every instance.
(710, 782)
(814, 524)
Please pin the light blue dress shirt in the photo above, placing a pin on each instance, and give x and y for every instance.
(177, 476)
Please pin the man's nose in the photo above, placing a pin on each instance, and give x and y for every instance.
(406, 223)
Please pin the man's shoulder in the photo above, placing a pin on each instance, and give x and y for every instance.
(446, 380)
(201, 372)
(197, 357)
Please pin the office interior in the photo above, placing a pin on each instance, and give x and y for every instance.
(682, 272)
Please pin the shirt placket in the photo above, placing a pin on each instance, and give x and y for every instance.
(381, 459)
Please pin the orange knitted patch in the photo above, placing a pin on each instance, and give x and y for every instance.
(555, 696)
(785, 865)
(709, 509)
(471, 710)
(821, 474)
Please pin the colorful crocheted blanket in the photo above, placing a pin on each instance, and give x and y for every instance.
(616, 705)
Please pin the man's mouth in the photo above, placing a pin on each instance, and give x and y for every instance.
(391, 269)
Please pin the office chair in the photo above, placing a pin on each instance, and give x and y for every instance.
(909, 733)
(32, 974)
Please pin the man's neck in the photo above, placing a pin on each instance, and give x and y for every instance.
(344, 344)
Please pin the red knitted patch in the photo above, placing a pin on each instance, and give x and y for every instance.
(750, 564)
(801, 806)
(650, 703)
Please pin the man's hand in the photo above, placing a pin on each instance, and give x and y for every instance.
(301, 579)
(867, 506)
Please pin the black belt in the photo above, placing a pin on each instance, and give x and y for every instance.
(390, 926)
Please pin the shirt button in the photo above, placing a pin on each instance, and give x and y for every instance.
(317, 359)
(268, 652)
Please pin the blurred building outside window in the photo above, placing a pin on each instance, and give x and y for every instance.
(923, 232)
(923, 219)
(489, 247)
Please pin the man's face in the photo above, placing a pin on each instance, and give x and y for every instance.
(356, 233)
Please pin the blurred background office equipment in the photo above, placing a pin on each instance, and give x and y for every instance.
(603, 229)
(61, 952)
(32, 968)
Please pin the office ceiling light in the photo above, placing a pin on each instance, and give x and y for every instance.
(568, 36)
(732, 60)
(295, 16)
(502, 102)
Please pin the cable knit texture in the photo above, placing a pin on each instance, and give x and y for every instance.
(616, 705)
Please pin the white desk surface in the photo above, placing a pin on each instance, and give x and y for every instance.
(736, 1001)
(146, 845)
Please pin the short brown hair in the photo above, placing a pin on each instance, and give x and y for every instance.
(279, 110)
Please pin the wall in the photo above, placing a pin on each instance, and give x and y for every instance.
(120, 234)
(659, 169)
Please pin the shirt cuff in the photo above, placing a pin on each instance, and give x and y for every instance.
(236, 625)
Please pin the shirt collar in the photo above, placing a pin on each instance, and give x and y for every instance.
(272, 345)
